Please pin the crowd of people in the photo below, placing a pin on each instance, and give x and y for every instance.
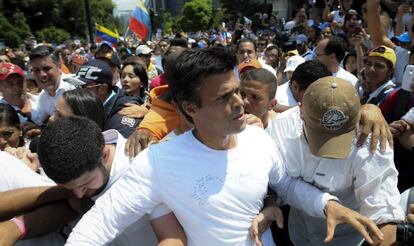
(208, 138)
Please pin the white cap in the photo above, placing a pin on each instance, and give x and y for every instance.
(293, 62)
(143, 49)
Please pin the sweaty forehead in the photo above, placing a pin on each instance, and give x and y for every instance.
(42, 62)
(246, 46)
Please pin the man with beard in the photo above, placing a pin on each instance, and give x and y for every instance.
(45, 63)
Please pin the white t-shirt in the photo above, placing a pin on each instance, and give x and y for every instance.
(140, 231)
(364, 182)
(337, 17)
(14, 174)
(267, 67)
(409, 116)
(284, 95)
(403, 57)
(214, 194)
(343, 74)
(47, 102)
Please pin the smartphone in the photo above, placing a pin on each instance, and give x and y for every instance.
(357, 29)
(408, 78)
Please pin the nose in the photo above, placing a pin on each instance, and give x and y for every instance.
(237, 100)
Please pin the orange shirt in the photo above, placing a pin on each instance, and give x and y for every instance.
(162, 117)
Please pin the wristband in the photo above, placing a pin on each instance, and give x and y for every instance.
(21, 226)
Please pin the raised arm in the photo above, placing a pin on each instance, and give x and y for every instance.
(378, 33)
(326, 14)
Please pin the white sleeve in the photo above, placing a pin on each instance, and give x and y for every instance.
(14, 174)
(133, 195)
(409, 116)
(297, 192)
(375, 184)
(159, 211)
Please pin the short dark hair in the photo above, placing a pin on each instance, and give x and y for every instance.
(139, 71)
(167, 40)
(85, 103)
(169, 59)
(192, 67)
(308, 72)
(69, 147)
(336, 45)
(245, 40)
(9, 116)
(263, 76)
(179, 42)
(44, 51)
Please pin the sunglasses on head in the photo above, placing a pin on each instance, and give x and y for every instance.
(379, 50)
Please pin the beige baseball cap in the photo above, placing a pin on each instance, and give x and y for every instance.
(330, 109)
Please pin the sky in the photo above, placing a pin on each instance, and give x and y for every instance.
(124, 5)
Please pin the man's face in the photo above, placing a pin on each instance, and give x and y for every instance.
(246, 52)
(146, 58)
(272, 58)
(163, 46)
(320, 52)
(377, 71)
(89, 184)
(13, 88)
(47, 73)
(4, 59)
(256, 99)
(261, 45)
(221, 112)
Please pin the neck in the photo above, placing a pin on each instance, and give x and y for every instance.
(110, 148)
(334, 68)
(267, 117)
(217, 142)
(18, 102)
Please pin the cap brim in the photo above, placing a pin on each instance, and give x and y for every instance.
(289, 69)
(329, 145)
(75, 81)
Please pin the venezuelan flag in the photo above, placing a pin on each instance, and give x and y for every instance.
(104, 34)
(140, 22)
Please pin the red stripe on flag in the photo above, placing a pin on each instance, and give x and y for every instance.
(138, 28)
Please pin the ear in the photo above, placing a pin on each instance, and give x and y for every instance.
(105, 153)
(272, 104)
(189, 108)
(294, 86)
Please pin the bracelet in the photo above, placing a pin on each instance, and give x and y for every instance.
(21, 226)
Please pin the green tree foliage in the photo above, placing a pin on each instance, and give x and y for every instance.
(243, 7)
(196, 15)
(41, 16)
(52, 35)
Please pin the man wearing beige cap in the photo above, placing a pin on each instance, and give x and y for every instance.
(318, 143)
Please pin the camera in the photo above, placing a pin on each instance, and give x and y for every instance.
(405, 233)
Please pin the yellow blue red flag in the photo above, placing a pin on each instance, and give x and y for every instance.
(104, 34)
(140, 22)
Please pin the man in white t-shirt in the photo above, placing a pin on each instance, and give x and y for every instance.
(290, 94)
(88, 162)
(318, 144)
(246, 50)
(214, 178)
(331, 51)
(45, 63)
